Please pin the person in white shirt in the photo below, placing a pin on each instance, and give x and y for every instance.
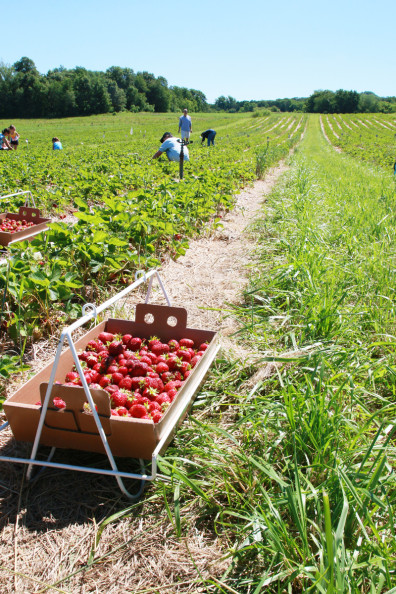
(172, 147)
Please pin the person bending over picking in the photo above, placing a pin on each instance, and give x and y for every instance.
(56, 144)
(4, 144)
(172, 147)
(210, 135)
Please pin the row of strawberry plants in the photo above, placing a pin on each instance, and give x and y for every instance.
(369, 138)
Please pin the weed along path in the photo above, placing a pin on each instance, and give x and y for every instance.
(50, 538)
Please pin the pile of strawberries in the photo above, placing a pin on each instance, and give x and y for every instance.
(142, 377)
(11, 226)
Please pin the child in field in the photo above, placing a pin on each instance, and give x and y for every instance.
(56, 144)
(13, 137)
(4, 144)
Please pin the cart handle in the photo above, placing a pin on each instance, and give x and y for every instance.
(142, 277)
(27, 201)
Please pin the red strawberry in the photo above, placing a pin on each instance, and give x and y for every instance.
(123, 370)
(173, 362)
(118, 399)
(153, 358)
(153, 382)
(112, 369)
(161, 367)
(92, 360)
(122, 411)
(150, 393)
(157, 416)
(126, 338)
(185, 366)
(138, 411)
(159, 348)
(184, 355)
(154, 340)
(194, 361)
(152, 373)
(173, 345)
(172, 384)
(154, 406)
(115, 348)
(203, 346)
(163, 398)
(72, 376)
(105, 381)
(95, 377)
(167, 377)
(116, 378)
(137, 399)
(106, 336)
(58, 402)
(126, 383)
(172, 393)
(186, 342)
(134, 344)
(136, 382)
(137, 368)
(146, 359)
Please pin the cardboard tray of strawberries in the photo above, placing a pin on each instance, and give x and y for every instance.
(22, 225)
(142, 386)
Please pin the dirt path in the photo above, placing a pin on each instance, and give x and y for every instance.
(214, 269)
(49, 527)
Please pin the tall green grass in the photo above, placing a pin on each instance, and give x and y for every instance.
(297, 477)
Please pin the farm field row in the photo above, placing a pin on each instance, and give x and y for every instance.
(368, 137)
(285, 472)
(129, 212)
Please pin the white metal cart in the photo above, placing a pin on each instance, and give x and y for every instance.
(173, 415)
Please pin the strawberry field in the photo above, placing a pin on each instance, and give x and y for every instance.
(282, 478)
(129, 212)
(369, 137)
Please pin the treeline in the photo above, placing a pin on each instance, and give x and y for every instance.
(340, 101)
(25, 93)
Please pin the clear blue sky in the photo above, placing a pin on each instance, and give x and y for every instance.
(249, 49)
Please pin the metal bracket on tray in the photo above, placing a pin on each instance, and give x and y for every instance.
(67, 334)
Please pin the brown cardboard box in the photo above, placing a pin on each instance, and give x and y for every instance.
(28, 214)
(73, 428)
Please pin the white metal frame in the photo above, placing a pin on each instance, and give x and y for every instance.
(28, 198)
(175, 412)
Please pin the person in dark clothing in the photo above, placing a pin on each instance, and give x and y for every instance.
(210, 135)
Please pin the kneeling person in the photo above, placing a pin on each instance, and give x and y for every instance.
(172, 147)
